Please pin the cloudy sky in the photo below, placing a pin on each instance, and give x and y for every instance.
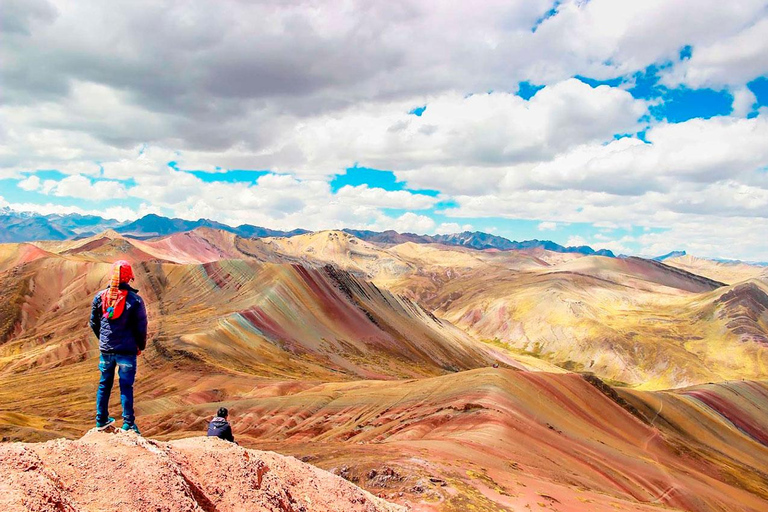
(635, 125)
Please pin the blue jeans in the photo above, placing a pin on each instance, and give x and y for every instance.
(126, 367)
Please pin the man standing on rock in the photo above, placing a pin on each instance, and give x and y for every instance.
(119, 320)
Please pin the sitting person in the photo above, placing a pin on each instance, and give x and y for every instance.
(219, 426)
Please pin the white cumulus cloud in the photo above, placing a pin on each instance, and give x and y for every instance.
(547, 226)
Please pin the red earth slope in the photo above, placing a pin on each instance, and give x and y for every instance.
(499, 439)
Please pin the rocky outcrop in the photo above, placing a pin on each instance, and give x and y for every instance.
(105, 471)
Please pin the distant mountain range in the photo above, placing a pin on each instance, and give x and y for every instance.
(474, 240)
(155, 225)
(27, 227)
(679, 254)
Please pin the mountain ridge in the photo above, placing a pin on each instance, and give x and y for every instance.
(442, 377)
(16, 227)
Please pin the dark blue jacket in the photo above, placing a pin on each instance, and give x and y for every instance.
(219, 427)
(124, 335)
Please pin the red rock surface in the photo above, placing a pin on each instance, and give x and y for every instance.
(116, 471)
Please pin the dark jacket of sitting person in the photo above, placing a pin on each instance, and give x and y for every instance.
(219, 426)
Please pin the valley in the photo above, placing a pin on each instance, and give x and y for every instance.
(440, 377)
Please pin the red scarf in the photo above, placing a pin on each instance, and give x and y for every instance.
(113, 298)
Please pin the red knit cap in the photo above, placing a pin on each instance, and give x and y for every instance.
(125, 272)
(113, 299)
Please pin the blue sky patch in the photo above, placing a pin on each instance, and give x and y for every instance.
(551, 12)
(51, 174)
(374, 178)
(592, 82)
(231, 176)
(646, 83)
(418, 111)
(759, 87)
(356, 176)
(527, 90)
(682, 104)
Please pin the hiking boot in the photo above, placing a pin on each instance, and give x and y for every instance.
(104, 424)
(132, 427)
